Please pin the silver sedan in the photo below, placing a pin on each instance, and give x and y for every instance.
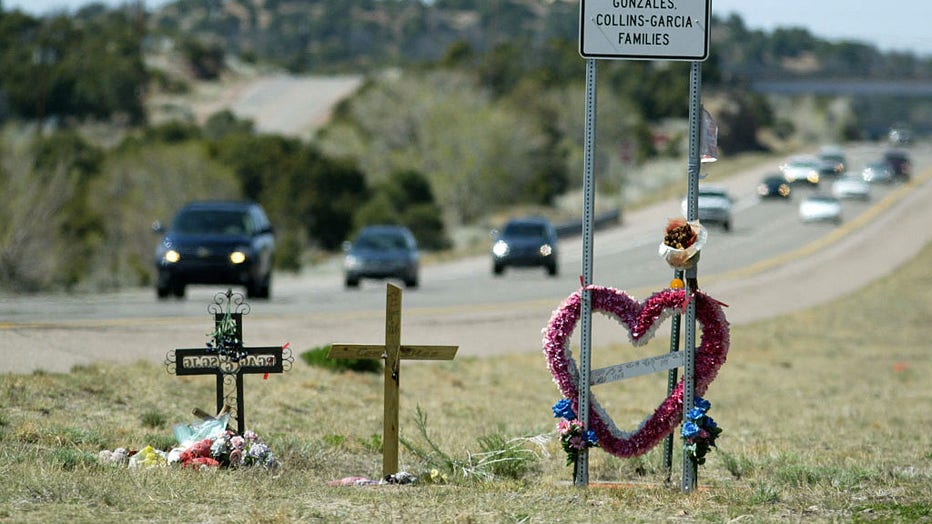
(820, 208)
(851, 185)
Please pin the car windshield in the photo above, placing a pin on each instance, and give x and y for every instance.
(518, 229)
(823, 199)
(212, 222)
(712, 194)
(381, 241)
(802, 163)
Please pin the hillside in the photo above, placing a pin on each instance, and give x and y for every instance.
(353, 35)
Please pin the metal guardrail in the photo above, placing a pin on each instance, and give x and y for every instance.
(599, 221)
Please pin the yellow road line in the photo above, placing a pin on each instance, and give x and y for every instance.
(823, 242)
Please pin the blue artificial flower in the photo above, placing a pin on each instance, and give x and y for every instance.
(702, 404)
(709, 424)
(564, 409)
(590, 437)
(695, 414)
(690, 430)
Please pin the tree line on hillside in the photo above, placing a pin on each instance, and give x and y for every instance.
(77, 214)
(316, 35)
(92, 64)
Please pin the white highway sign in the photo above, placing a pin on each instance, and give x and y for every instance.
(644, 29)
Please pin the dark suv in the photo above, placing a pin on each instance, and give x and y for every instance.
(216, 242)
(530, 241)
(899, 162)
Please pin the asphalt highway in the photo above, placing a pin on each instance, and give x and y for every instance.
(769, 264)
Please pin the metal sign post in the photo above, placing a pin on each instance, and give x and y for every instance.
(672, 378)
(581, 475)
(623, 30)
(692, 213)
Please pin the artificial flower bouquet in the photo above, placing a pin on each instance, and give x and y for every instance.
(205, 445)
(573, 437)
(226, 450)
(699, 431)
(682, 240)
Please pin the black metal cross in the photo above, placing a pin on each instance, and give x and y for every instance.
(227, 358)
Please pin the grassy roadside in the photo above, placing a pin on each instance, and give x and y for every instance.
(825, 413)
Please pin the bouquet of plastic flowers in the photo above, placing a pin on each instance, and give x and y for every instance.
(573, 437)
(210, 444)
(682, 240)
(699, 431)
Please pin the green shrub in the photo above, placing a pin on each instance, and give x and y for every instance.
(317, 357)
(152, 419)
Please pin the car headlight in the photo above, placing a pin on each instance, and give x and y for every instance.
(500, 248)
(350, 262)
(238, 256)
(546, 250)
(171, 256)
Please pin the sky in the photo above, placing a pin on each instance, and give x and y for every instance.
(891, 25)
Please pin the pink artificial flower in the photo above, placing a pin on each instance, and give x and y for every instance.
(236, 457)
(564, 426)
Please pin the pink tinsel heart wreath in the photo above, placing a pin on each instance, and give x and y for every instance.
(641, 320)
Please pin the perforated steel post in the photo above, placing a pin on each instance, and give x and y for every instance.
(672, 378)
(581, 475)
(692, 213)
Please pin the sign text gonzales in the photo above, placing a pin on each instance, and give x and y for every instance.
(644, 29)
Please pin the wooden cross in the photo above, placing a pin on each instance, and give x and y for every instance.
(392, 352)
(230, 368)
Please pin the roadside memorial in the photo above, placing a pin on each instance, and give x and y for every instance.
(227, 358)
(392, 352)
(205, 444)
(641, 320)
(615, 30)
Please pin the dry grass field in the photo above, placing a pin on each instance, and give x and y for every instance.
(826, 416)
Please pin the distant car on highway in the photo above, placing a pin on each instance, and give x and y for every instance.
(715, 206)
(526, 242)
(381, 252)
(851, 185)
(820, 208)
(774, 186)
(216, 242)
(802, 169)
(878, 172)
(899, 163)
(900, 135)
(832, 161)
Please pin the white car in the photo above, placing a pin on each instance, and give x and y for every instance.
(851, 185)
(801, 169)
(714, 206)
(820, 208)
(878, 172)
